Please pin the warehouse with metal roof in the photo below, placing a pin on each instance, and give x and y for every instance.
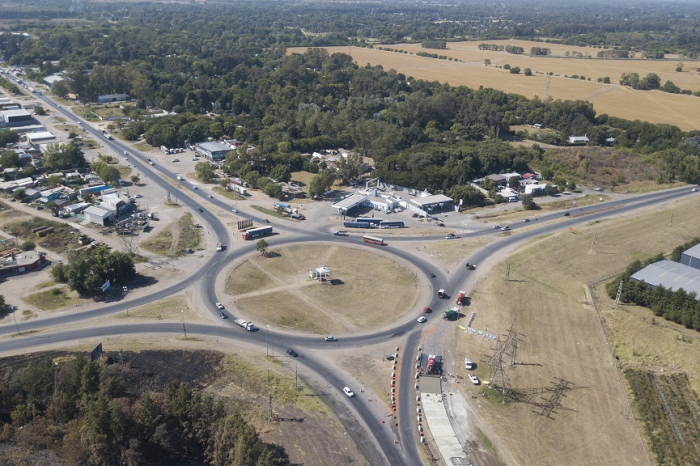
(671, 275)
(691, 257)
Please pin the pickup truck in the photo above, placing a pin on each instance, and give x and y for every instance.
(340, 233)
(245, 324)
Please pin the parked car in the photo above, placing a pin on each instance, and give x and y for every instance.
(348, 392)
(292, 353)
(474, 379)
(422, 319)
(220, 306)
(329, 338)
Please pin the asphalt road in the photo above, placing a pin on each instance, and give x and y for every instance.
(382, 449)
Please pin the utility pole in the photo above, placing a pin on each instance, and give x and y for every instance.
(14, 315)
(126, 298)
(184, 330)
(592, 243)
(671, 224)
(267, 352)
(296, 380)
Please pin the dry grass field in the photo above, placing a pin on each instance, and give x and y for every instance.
(468, 69)
(563, 338)
(367, 289)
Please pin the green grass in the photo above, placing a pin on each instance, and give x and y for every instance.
(190, 236)
(164, 243)
(51, 300)
(160, 243)
(143, 146)
(124, 171)
(106, 110)
(267, 211)
(86, 113)
(234, 196)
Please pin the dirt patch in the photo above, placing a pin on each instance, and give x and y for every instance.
(365, 289)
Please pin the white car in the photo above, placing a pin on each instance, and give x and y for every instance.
(151, 163)
(474, 379)
(348, 392)
(695, 190)
(219, 305)
(331, 339)
(234, 210)
(422, 319)
(505, 228)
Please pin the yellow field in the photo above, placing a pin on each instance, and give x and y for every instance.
(562, 338)
(613, 99)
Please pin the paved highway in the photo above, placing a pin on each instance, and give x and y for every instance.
(364, 422)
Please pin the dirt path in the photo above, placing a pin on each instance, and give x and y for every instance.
(174, 228)
(294, 289)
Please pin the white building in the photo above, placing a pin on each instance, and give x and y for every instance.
(99, 215)
(578, 139)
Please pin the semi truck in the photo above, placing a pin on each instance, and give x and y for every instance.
(460, 297)
(257, 232)
(245, 324)
(350, 224)
(451, 313)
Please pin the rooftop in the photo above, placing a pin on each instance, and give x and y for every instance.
(670, 275)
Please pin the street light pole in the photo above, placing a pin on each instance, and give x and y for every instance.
(184, 330)
(126, 298)
(267, 353)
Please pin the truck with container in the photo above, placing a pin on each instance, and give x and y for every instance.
(240, 190)
(257, 232)
(350, 224)
(451, 313)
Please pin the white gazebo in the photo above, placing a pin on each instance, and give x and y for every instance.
(320, 273)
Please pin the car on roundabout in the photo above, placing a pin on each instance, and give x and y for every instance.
(219, 305)
(422, 319)
(222, 315)
(426, 309)
(348, 392)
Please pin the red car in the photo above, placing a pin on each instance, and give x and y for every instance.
(427, 309)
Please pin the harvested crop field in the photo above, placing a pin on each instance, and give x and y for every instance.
(561, 339)
(365, 289)
(467, 69)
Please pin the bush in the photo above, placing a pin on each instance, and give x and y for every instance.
(515, 70)
(28, 245)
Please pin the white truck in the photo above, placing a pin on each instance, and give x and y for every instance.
(245, 324)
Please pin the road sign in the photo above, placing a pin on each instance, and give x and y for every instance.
(105, 286)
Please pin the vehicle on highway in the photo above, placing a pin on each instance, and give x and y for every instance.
(427, 309)
(234, 210)
(694, 190)
(432, 275)
(442, 294)
(195, 187)
(566, 214)
(496, 227)
(222, 315)
(219, 305)
(126, 153)
(505, 228)
(292, 353)
(474, 379)
(422, 319)
(200, 210)
(526, 220)
(450, 236)
(210, 196)
(151, 163)
(348, 392)
(80, 122)
(329, 338)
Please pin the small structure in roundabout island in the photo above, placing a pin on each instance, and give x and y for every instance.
(321, 274)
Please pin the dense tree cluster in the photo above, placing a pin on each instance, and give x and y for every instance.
(87, 269)
(434, 44)
(189, 61)
(539, 51)
(515, 49)
(89, 413)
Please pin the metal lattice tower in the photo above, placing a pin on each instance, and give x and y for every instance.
(128, 243)
(619, 293)
(558, 391)
(512, 342)
(498, 375)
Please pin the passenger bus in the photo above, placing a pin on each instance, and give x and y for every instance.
(373, 240)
